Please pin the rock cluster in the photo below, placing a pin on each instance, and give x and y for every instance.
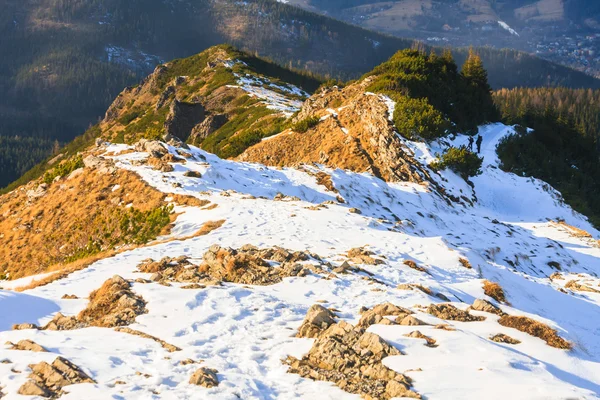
(47, 380)
(351, 358)
(360, 255)
(114, 304)
(449, 312)
(247, 265)
(377, 315)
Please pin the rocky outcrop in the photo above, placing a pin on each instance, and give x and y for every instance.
(352, 358)
(317, 319)
(206, 377)
(114, 304)
(378, 313)
(355, 133)
(182, 118)
(48, 380)
(210, 124)
(247, 265)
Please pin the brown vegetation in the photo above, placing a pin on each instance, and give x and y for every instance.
(113, 304)
(502, 338)
(494, 290)
(414, 265)
(465, 263)
(167, 346)
(535, 328)
(61, 222)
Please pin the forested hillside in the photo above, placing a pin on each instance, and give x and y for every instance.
(563, 148)
(64, 61)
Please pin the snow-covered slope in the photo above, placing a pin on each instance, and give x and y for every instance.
(510, 235)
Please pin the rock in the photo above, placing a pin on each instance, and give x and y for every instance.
(27, 345)
(164, 97)
(20, 327)
(343, 269)
(40, 191)
(31, 388)
(210, 124)
(361, 255)
(152, 147)
(449, 312)
(410, 320)
(486, 306)
(47, 380)
(192, 174)
(206, 377)
(317, 319)
(69, 297)
(502, 338)
(354, 211)
(63, 323)
(182, 118)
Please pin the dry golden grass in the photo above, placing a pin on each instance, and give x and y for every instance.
(186, 200)
(465, 263)
(573, 230)
(494, 290)
(64, 271)
(535, 328)
(39, 235)
(209, 226)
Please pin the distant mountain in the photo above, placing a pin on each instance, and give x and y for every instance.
(563, 31)
(63, 62)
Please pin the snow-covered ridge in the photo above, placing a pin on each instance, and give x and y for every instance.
(284, 98)
(510, 236)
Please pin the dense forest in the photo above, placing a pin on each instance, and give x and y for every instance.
(579, 106)
(63, 61)
(563, 148)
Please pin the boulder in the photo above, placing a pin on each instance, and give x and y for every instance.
(486, 306)
(317, 319)
(206, 377)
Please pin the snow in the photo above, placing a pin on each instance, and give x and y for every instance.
(245, 331)
(505, 26)
(262, 88)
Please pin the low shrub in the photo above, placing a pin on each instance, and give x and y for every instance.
(535, 328)
(64, 168)
(416, 118)
(494, 290)
(460, 160)
(305, 124)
